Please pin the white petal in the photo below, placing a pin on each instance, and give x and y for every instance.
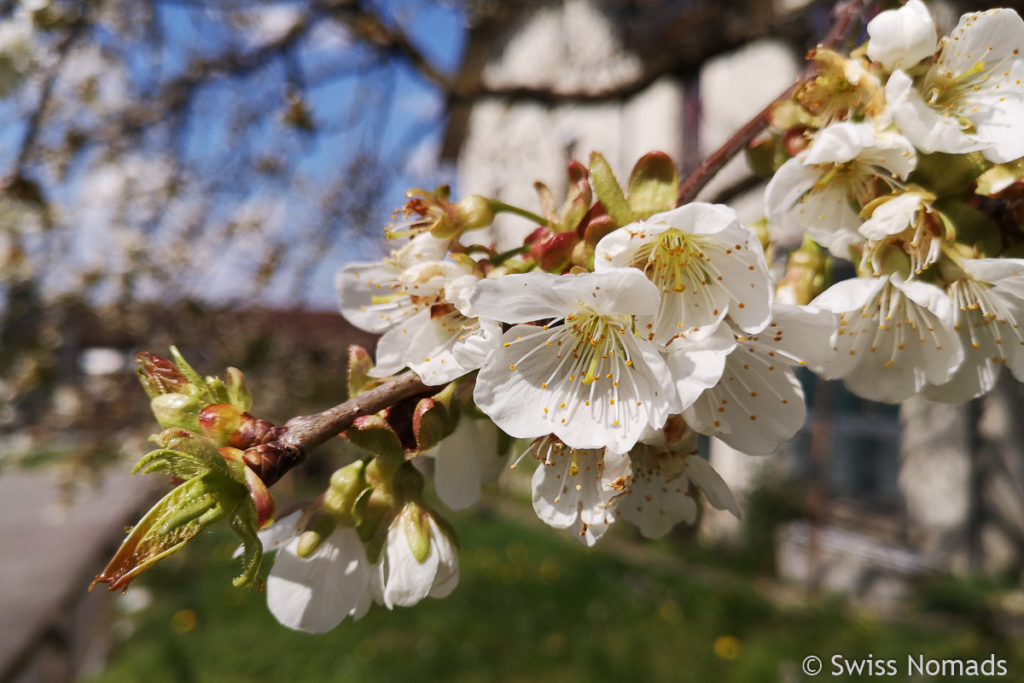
(564, 481)
(892, 217)
(698, 365)
(704, 476)
(901, 38)
(408, 581)
(472, 349)
(757, 405)
(926, 128)
(464, 460)
(658, 497)
(371, 297)
(314, 594)
(447, 577)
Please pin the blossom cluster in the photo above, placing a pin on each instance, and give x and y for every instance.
(907, 163)
(625, 326)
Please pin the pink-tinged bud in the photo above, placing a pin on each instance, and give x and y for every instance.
(429, 424)
(579, 200)
(553, 253)
(176, 410)
(258, 491)
(219, 421)
(159, 375)
(360, 363)
(795, 141)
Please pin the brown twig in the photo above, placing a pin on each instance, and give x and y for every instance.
(306, 432)
(843, 16)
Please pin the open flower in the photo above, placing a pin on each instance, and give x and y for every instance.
(972, 97)
(822, 190)
(894, 336)
(704, 264)
(657, 494)
(576, 488)
(989, 307)
(907, 222)
(581, 373)
(758, 404)
(377, 295)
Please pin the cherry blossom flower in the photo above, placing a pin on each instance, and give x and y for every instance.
(420, 560)
(894, 336)
(703, 262)
(758, 404)
(375, 296)
(989, 304)
(901, 38)
(822, 190)
(428, 341)
(972, 97)
(657, 495)
(314, 594)
(580, 374)
(575, 488)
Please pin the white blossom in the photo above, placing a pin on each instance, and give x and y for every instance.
(405, 580)
(972, 97)
(901, 38)
(314, 594)
(704, 264)
(989, 306)
(905, 216)
(758, 404)
(894, 336)
(575, 488)
(580, 373)
(464, 460)
(822, 190)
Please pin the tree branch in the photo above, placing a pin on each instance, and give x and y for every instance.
(843, 17)
(306, 432)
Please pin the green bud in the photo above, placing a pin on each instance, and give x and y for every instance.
(653, 185)
(413, 520)
(319, 530)
(474, 212)
(176, 410)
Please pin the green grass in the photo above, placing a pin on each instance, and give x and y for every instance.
(532, 605)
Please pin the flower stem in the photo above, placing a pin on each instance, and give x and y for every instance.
(502, 207)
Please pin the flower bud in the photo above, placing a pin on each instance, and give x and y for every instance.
(176, 410)
(474, 212)
(219, 421)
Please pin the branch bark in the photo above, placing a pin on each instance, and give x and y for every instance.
(843, 17)
(306, 432)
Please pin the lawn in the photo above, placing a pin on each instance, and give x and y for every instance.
(533, 605)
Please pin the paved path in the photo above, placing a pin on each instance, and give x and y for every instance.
(48, 556)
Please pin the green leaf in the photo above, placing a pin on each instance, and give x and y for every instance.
(608, 190)
(176, 463)
(243, 523)
(171, 523)
(653, 185)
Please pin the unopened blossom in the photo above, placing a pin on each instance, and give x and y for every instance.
(822, 190)
(576, 488)
(901, 38)
(704, 264)
(315, 593)
(894, 336)
(989, 307)
(658, 492)
(376, 296)
(758, 404)
(420, 560)
(972, 97)
(581, 372)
